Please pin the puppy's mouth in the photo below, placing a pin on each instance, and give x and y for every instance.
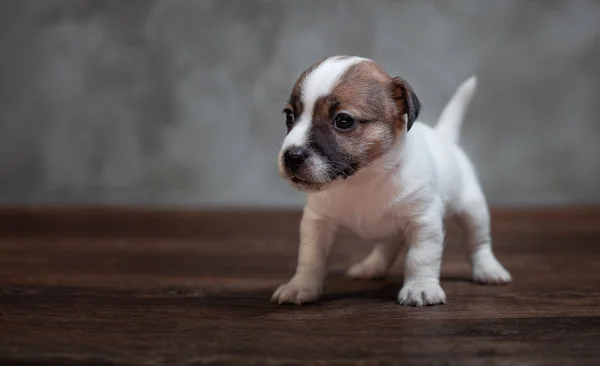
(311, 185)
(305, 184)
(298, 180)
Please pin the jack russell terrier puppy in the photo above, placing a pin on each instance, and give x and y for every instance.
(354, 145)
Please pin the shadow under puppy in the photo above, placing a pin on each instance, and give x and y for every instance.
(354, 145)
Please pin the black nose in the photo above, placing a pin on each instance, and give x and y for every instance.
(294, 157)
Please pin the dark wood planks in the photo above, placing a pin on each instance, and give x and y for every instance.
(133, 287)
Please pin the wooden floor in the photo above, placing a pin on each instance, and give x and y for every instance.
(129, 287)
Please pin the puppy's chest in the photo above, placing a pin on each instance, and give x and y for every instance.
(370, 215)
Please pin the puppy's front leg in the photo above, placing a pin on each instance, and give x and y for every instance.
(316, 240)
(425, 238)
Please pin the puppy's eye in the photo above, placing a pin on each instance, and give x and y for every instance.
(289, 117)
(343, 121)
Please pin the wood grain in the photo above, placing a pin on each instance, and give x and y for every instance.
(136, 287)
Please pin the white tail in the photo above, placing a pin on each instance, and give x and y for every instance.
(451, 118)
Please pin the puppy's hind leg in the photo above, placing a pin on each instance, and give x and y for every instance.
(377, 264)
(474, 219)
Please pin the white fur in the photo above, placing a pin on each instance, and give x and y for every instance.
(405, 194)
(451, 117)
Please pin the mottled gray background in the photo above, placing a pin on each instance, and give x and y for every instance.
(178, 102)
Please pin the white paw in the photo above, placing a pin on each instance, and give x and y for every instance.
(488, 270)
(418, 294)
(366, 270)
(296, 292)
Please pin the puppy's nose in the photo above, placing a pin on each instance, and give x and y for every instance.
(294, 157)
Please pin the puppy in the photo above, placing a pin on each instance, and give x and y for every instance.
(355, 146)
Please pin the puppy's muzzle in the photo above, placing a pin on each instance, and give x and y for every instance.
(294, 158)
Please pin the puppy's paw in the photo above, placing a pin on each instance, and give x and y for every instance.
(418, 294)
(487, 270)
(296, 292)
(367, 270)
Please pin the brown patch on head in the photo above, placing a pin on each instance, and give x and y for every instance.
(365, 92)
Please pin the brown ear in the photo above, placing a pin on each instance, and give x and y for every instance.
(407, 100)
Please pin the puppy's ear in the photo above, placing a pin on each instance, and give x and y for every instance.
(406, 100)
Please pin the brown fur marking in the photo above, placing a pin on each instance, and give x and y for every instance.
(365, 91)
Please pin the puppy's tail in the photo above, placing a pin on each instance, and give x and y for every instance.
(451, 119)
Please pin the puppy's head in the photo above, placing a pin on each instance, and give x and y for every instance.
(343, 113)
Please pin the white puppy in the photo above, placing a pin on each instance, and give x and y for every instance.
(353, 144)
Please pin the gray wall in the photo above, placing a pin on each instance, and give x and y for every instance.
(178, 102)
